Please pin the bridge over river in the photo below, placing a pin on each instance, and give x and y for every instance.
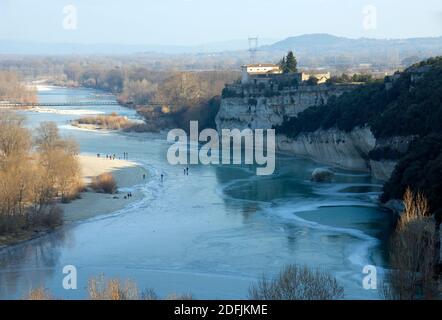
(59, 104)
(9, 104)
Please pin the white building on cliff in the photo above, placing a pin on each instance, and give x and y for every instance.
(265, 72)
(250, 70)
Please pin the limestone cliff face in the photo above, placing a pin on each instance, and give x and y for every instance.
(247, 108)
(347, 150)
(383, 168)
(255, 109)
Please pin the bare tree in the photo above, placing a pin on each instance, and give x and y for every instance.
(12, 88)
(31, 180)
(39, 294)
(297, 283)
(413, 252)
(14, 138)
(100, 288)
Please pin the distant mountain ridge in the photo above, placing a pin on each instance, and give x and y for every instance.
(321, 43)
(324, 41)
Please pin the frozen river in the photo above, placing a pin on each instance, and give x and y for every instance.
(211, 233)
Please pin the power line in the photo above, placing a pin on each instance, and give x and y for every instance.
(253, 48)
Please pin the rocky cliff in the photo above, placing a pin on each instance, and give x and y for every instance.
(349, 150)
(252, 107)
(249, 108)
(338, 148)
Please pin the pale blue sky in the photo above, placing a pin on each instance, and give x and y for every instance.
(189, 22)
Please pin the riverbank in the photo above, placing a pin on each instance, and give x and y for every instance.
(126, 174)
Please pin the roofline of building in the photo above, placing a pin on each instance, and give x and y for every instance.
(260, 65)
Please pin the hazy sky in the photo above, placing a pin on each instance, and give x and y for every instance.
(188, 22)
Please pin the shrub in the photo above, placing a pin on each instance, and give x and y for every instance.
(39, 294)
(149, 294)
(100, 288)
(105, 183)
(112, 289)
(74, 193)
(175, 296)
(413, 261)
(110, 122)
(416, 207)
(54, 217)
(11, 224)
(413, 253)
(297, 283)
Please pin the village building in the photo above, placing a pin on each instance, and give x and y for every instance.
(251, 71)
(266, 72)
(321, 77)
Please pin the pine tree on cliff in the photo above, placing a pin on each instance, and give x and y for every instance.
(290, 65)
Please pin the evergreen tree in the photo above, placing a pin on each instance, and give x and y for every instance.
(290, 63)
(282, 64)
